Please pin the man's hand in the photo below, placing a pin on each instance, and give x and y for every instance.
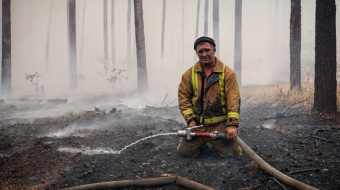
(231, 131)
(192, 123)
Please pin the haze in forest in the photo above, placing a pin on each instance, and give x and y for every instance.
(265, 42)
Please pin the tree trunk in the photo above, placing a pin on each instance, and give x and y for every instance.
(6, 48)
(105, 31)
(276, 19)
(295, 45)
(163, 30)
(325, 83)
(113, 50)
(182, 35)
(216, 24)
(48, 37)
(128, 34)
(197, 24)
(71, 18)
(30, 30)
(197, 18)
(206, 11)
(142, 75)
(238, 41)
(82, 33)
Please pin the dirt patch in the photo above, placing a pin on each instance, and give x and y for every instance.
(302, 145)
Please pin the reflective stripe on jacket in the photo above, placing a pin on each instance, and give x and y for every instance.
(217, 102)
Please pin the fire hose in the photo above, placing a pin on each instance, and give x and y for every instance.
(190, 132)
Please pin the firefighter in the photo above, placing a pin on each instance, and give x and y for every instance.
(208, 95)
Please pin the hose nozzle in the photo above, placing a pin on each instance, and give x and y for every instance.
(189, 133)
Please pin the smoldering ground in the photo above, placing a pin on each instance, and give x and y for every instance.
(81, 147)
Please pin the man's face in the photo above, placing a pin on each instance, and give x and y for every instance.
(206, 54)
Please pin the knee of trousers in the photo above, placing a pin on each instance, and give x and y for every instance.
(187, 151)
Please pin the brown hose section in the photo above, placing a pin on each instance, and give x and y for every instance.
(270, 170)
(150, 182)
(191, 184)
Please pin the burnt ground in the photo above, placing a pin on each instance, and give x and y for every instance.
(301, 144)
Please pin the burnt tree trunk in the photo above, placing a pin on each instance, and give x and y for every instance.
(197, 24)
(6, 48)
(325, 83)
(113, 49)
(30, 30)
(71, 20)
(295, 45)
(82, 33)
(206, 11)
(47, 56)
(197, 18)
(142, 75)
(182, 35)
(105, 37)
(163, 30)
(216, 25)
(238, 41)
(128, 53)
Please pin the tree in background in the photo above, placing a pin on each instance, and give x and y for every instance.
(182, 35)
(197, 24)
(82, 33)
(47, 56)
(163, 29)
(216, 25)
(113, 49)
(295, 45)
(238, 41)
(142, 75)
(206, 11)
(128, 53)
(6, 65)
(105, 32)
(71, 20)
(197, 17)
(325, 83)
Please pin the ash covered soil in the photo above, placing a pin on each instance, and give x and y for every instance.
(80, 147)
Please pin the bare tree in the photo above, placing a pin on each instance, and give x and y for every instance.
(206, 11)
(48, 37)
(128, 58)
(113, 49)
(197, 18)
(238, 41)
(105, 31)
(295, 45)
(163, 29)
(216, 25)
(142, 75)
(181, 48)
(30, 30)
(325, 83)
(197, 23)
(6, 65)
(82, 33)
(71, 20)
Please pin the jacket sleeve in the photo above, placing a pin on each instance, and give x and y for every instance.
(232, 94)
(185, 95)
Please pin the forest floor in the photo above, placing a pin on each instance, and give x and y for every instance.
(80, 147)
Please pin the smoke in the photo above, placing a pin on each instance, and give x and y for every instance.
(78, 130)
(265, 43)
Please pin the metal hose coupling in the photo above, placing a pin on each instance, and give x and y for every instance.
(190, 132)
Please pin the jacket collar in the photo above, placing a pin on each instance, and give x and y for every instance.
(217, 69)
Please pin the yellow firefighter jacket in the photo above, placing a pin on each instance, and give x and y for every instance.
(212, 100)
